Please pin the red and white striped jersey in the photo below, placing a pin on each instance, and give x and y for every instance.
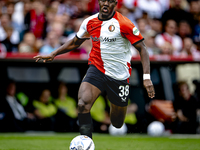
(111, 43)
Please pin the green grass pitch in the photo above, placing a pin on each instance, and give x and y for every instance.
(53, 141)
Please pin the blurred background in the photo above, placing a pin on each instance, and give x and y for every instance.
(43, 97)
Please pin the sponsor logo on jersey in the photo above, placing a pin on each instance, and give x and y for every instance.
(106, 39)
(111, 28)
(136, 31)
(103, 39)
(95, 39)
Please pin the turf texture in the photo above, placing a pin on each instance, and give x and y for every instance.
(54, 141)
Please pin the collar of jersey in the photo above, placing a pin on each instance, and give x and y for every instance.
(107, 18)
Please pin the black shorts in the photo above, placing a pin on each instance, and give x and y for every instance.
(117, 90)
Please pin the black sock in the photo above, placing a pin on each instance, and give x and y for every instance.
(85, 124)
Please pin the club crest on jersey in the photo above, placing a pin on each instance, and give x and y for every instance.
(136, 31)
(111, 28)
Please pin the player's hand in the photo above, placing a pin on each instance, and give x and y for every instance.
(149, 87)
(45, 58)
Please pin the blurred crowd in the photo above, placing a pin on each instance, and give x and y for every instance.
(52, 112)
(170, 27)
(58, 112)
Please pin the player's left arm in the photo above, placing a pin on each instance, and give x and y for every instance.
(141, 47)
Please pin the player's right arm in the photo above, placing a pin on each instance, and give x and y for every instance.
(68, 46)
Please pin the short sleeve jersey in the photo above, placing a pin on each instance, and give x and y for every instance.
(111, 43)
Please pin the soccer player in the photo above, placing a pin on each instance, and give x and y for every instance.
(109, 63)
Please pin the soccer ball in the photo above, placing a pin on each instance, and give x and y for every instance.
(117, 131)
(82, 142)
(156, 128)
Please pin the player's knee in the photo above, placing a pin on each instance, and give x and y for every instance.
(82, 107)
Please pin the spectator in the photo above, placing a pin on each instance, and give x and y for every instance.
(156, 25)
(169, 37)
(166, 49)
(183, 4)
(21, 8)
(65, 23)
(152, 7)
(3, 7)
(10, 8)
(45, 111)
(184, 29)
(178, 12)
(150, 43)
(8, 36)
(68, 7)
(55, 5)
(50, 15)
(189, 49)
(28, 43)
(18, 16)
(66, 118)
(52, 43)
(195, 9)
(58, 28)
(35, 21)
(142, 25)
(186, 107)
(16, 118)
(27, 7)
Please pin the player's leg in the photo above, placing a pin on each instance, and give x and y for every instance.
(117, 115)
(87, 95)
(118, 93)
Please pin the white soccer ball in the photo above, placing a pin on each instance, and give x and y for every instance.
(82, 142)
(117, 131)
(156, 128)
